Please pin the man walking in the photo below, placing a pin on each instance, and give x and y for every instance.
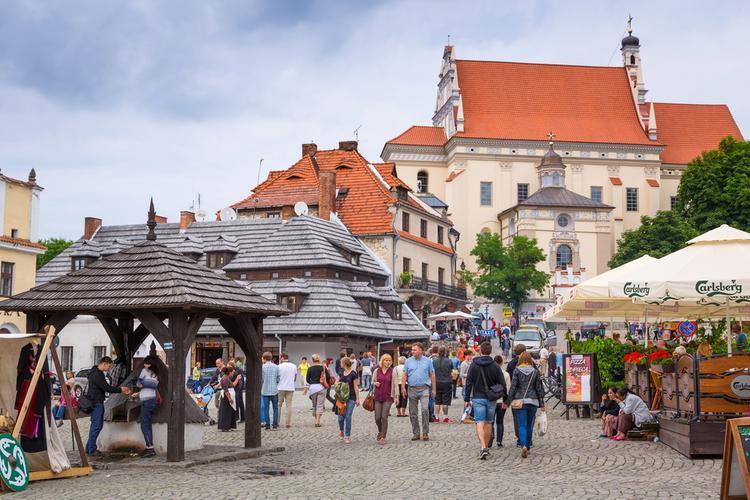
(287, 382)
(366, 362)
(270, 391)
(419, 374)
(443, 377)
(484, 373)
(96, 391)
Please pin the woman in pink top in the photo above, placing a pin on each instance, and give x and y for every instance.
(385, 392)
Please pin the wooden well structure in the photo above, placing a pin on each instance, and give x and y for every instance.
(170, 296)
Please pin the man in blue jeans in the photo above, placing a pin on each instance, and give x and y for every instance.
(483, 374)
(419, 376)
(270, 392)
(97, 390)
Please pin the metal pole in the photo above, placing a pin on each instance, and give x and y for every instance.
(646, 329)
(729, 331)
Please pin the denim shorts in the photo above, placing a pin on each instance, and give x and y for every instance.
(484, 410)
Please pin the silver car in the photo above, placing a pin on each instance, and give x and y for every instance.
(531, 337)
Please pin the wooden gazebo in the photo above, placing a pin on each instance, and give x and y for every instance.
(170, 295)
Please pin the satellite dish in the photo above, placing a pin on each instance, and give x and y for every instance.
(228, 213)
(201, 215)
(300, 208)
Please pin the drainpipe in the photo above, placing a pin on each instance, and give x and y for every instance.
(281, 343)
(381, 343)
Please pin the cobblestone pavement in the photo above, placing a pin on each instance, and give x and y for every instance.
(568, 462)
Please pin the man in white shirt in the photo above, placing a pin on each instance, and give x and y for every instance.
(287, 378)
(543, 359)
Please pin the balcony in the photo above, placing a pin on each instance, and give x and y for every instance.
(437, 288)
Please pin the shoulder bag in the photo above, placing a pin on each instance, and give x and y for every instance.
(369, 402)
(517, 404)
(494, 392)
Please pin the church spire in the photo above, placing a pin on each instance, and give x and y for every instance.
(551, 170)
(631, 59)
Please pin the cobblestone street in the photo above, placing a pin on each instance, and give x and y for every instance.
(569, 462)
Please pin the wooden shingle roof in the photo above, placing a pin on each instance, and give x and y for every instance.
(148, 275)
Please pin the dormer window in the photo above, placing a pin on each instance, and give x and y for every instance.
(80, 262)
(401, 193)
(291, 302)
(393, 309)
(354, 259)
(217, 260)
(374, 309)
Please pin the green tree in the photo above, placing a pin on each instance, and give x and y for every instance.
(715, 188)
(507, 274)
(657, 236)
(55, 246)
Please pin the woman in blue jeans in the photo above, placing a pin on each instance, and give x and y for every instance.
(526, 388)
(148, 382)
(348, 376)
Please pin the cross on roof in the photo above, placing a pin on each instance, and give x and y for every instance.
(630, 24)
(550, 136)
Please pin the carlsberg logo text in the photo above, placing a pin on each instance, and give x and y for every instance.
(635, 290)
(711, 288)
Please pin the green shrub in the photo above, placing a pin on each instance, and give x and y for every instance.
(609, 355)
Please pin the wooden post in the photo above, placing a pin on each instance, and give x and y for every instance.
(72, 412)
(34, 381)
(176, 423)
(254, 333)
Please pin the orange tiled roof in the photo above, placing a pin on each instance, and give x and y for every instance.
(508, 100)
(454, 174)
(689, 129)
(424, 241)
(616, 181)
(364, 209)
(653, 183)
(22, 242)
(389, 174)
(418, 135)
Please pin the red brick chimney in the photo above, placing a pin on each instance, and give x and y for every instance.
(327, 195)
(90, 226)
(309, 149)
(348, 145)
(160, 219)
(186, 218)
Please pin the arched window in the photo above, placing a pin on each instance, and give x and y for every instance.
(564, 257)
(422, 178)
(632, 59)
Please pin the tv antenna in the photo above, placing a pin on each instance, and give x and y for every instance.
(300, 208)
(356, 133)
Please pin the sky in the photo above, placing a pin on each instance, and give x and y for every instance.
(115, 102)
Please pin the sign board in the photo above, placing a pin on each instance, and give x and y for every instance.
(168, 345)
(687, 328)
(580, 379)
(735, 470)
(507, 312)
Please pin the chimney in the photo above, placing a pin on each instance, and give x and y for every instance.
(186, 218)
(160, 219)
(309, 149)
(327, 195)
(348, 145)
(90, 226)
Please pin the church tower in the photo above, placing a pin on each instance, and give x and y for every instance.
(449, 110)
(631, 59)
(551, 170)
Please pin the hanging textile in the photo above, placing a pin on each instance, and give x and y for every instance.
(33, 429)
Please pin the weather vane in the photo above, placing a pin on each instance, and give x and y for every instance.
(630, 24)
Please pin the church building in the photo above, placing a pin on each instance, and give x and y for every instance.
(617, 156)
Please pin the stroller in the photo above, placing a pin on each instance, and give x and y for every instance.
(203, 399)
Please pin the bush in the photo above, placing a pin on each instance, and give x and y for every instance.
(609, 354)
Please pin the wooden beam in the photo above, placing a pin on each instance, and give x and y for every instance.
(34, 381)
(155, 325)
(114, 332)
(48, 474)
(70, 410)
(178, 331)
(136, 338)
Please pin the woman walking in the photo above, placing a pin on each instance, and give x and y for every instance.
(402, 400)
(526, 396)
(227, 407)
(317, 383)
(148, 383)
(348, 377)
(386, 391)
(502, 407)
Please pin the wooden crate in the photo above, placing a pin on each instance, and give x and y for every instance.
(693, 439)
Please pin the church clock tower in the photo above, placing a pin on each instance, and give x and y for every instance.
(631, 59)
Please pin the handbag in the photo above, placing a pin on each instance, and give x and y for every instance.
(324, 378)
(369, 403)
(517, 404)
(85, 404)
(494, 392)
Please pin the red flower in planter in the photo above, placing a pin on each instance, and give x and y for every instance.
(634, 357)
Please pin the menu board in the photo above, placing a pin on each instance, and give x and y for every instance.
(578, 378)
(735, 470)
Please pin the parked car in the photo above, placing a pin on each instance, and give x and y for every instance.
(81, 382)
(530, 336)
(548, 330)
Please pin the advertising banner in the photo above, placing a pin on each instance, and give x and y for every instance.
(578, 378)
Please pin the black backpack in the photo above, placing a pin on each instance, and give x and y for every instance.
(494, 392)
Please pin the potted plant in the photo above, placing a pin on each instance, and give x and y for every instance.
(662, 359)
(405, 279)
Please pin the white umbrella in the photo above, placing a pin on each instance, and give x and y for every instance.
(710, 272)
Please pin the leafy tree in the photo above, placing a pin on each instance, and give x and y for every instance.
(506, 274)
(715, 188)
(55, 246)
(657, 236)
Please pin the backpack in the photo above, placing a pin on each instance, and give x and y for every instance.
(341, 390)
